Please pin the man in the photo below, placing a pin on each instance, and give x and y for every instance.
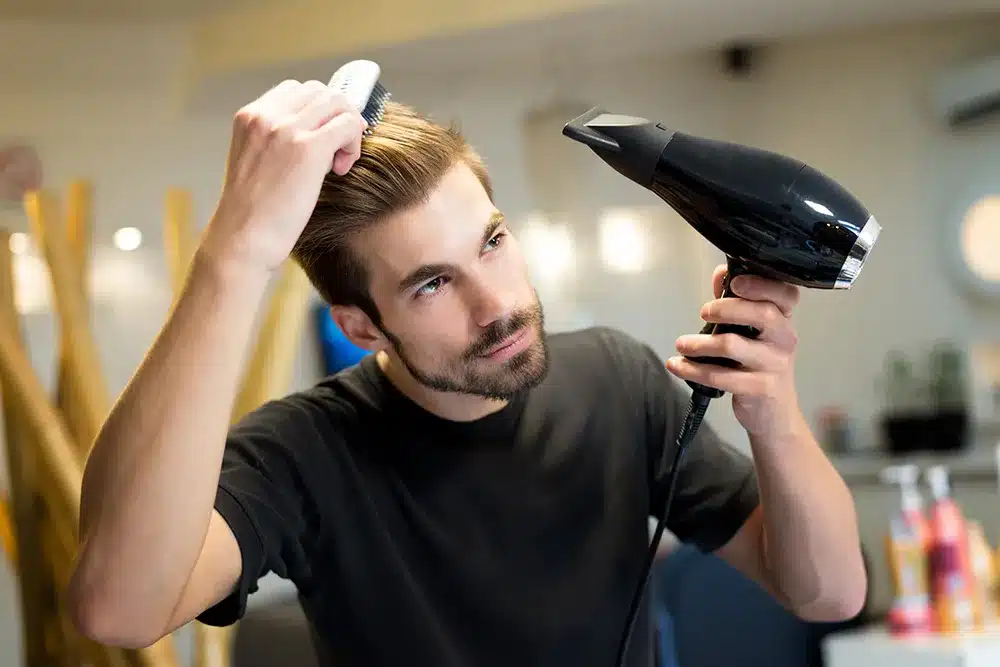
(476, 492)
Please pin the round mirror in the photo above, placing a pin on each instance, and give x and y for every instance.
(974, 240)
(981, 238)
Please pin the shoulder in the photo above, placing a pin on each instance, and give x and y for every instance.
(606, 347)
(301, 421)
(598, 341)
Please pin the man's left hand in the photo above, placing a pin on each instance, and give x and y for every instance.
(763, 390)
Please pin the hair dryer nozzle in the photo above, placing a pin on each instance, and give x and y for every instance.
(855, 260)
(629, 144)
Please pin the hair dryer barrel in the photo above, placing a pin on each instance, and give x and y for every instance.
(775, 216)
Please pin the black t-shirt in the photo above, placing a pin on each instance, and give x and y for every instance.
(516, 539)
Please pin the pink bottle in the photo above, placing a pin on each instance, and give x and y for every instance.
(952, 592)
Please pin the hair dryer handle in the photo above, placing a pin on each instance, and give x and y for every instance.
(733, 268)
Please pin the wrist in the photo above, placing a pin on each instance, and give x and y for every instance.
(226, 272)
(786, 423)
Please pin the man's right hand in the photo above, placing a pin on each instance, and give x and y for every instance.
(283, 146)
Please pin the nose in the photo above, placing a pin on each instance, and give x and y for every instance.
(489, 303)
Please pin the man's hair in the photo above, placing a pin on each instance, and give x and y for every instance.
(402, 161)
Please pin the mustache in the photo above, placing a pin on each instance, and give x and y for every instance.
(499, 331)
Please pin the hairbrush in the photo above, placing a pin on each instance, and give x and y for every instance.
(358, 81)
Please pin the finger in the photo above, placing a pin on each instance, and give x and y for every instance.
(287, 97)
(756, 288)
(342, 134)
(321, 108)
(765, 316)
(751, 354)
(718, 278)
(348, 155)
(735, 381)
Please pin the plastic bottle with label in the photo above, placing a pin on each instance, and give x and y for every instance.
(952, 590)
(907, 541)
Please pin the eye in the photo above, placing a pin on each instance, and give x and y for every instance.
(431, 287)
(496, 241)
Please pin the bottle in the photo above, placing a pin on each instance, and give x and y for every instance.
(983, 576)
(952, 593)
(907, 541)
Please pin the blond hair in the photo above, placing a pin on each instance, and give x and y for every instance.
(402, 160)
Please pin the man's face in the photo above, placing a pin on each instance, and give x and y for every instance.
(453, 292)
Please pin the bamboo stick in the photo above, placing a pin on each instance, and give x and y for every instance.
(79, 226)
(59, 453)
(178, 236)
(24, 493)
(59, 530)
(278, 343)
(83, 361)
(7, 538)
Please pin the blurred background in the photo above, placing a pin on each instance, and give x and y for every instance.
(895, 99)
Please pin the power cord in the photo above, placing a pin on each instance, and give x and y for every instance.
(695, 414)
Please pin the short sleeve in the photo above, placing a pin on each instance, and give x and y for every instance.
(716, 484)
(265, 497)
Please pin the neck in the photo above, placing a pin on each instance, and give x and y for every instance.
(447, 405)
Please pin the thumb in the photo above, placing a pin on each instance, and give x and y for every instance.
(718, 277)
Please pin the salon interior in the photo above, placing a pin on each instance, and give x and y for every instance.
(114, 132)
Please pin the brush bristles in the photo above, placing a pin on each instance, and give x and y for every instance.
(375, 108)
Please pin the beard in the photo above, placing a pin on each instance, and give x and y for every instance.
(473, 375)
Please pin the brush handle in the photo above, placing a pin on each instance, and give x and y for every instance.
(734, 268)
(356, 80)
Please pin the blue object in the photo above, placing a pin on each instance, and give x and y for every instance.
(338, 352)
(716, 616)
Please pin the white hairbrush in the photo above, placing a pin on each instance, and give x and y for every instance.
(358, 81)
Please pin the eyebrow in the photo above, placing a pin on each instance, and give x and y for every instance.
(430, 271)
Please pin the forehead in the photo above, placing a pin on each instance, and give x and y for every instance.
(446, 228)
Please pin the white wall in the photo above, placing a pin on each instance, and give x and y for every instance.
(855, 108)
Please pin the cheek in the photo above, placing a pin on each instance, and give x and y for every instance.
(436, 327)
(515, 270)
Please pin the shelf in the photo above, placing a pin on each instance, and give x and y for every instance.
(977, 464)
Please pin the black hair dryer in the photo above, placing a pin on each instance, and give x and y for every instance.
(771, 215)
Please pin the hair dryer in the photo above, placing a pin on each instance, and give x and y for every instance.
(771, 215)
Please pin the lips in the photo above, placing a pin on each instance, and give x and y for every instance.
(506, 343)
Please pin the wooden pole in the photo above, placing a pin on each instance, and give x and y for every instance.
(83, 369)
(278, 343)
(24, 495)
(79, 227)
(178, 236)
(58, 447)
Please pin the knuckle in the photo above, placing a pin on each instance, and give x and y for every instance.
(711, 310)
(277, 131)
(298, 142)
(339, 100)
(772, 315)
(730, 344)
(244, 117)
(253, 121)
(288, 85)
(793, 338)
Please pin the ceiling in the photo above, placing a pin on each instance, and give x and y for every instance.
(652, 28)
(116, 10)
(758, 11)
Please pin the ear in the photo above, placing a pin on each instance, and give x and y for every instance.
(358, 327)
